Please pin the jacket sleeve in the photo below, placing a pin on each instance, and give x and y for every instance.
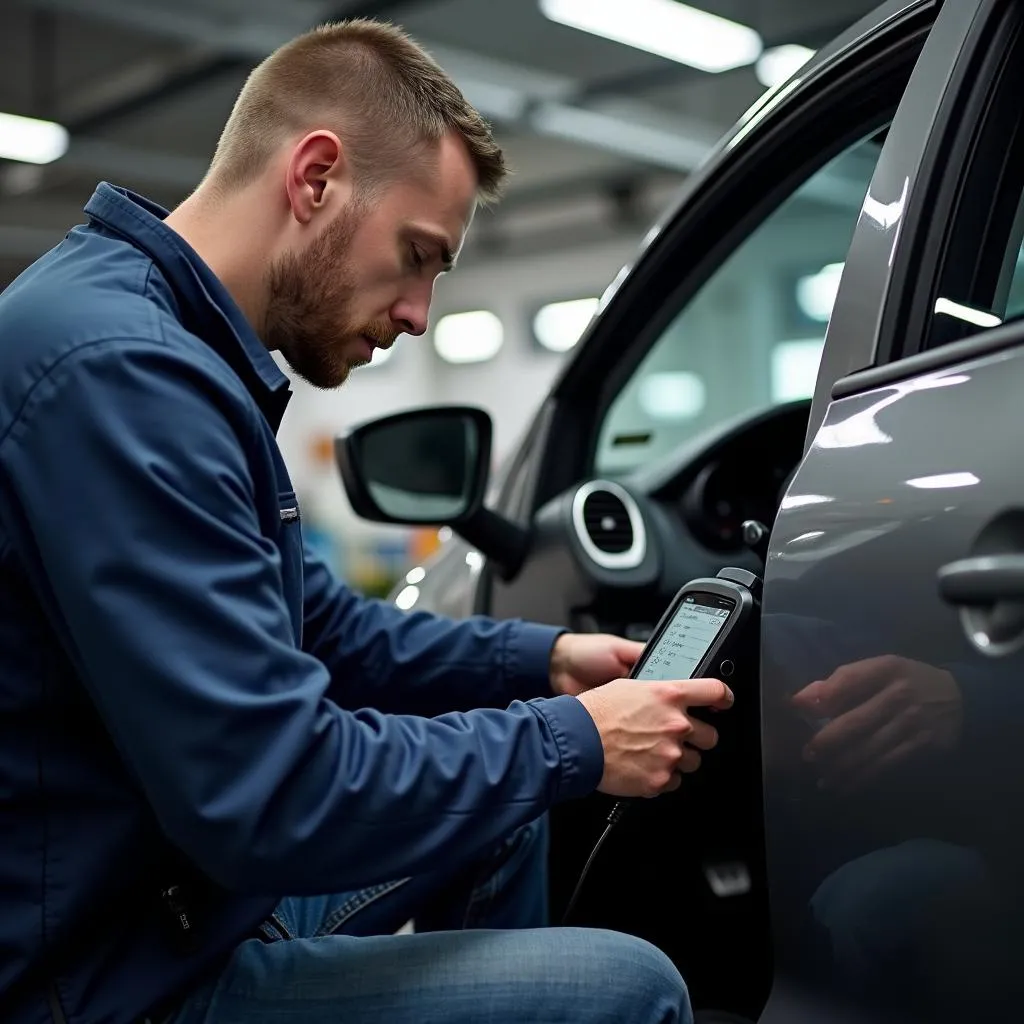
(132, 501)
(416, 663)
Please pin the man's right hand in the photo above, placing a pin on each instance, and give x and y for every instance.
(649, 740)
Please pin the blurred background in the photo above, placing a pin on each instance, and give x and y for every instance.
(604, 108)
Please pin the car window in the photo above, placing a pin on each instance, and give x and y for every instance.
(1015, 299)
(967, 256)
(752, 336)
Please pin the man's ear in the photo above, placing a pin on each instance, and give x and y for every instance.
(318, 175)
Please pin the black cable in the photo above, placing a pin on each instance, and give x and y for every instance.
(613, 819)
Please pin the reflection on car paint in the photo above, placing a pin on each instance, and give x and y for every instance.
(861, 427)
(977, 317)
(886, 215)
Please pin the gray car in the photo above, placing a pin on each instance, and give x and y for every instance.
(853, 849)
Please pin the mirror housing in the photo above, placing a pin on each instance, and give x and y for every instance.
(430, 467)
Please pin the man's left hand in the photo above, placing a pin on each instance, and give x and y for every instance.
(581, 661)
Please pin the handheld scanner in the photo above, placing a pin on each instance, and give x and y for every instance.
(701, 634)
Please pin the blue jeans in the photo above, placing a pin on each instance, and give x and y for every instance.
(480, 955)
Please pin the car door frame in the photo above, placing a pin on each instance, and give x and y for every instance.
(901, 244)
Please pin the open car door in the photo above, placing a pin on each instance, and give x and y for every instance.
(893, 626)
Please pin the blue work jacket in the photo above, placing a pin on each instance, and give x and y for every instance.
(188, 698)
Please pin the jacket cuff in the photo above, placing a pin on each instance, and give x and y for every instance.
(579, 745)
(528, 660)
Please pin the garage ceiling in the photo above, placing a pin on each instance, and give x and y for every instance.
(144, 87)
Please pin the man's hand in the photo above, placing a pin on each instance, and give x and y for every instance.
(882, 711)
(581, 661)
(647, 736)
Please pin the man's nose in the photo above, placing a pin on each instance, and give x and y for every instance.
(412, 316)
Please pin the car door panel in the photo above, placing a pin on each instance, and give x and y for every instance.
(907, 866)
(893, 867)
(891, 689)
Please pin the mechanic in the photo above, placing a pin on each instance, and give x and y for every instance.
(201, 731)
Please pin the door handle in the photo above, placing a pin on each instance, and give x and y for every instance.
(984, 580)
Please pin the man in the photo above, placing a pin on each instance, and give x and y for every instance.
(200, 730)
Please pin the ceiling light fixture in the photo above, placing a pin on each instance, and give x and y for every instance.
(673, 395)
(30, 140)
(472, 337)
(780, 63)
(641, 141)
(663, 27)
(816, 294)
(559, 325)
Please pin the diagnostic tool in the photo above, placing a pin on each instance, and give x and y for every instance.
(700, 636)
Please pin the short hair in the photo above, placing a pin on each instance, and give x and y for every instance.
(386, 97)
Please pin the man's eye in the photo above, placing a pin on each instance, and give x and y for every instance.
(416, 256)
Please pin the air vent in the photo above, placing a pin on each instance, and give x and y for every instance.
(609, 525)
(607, 522)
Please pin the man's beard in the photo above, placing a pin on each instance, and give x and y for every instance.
(310, 295)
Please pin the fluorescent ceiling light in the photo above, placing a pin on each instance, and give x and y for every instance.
(664, 27)
(673, 395)
(472, 337)
(780, 63)
(31, 141)
(559, 325)
(816, 294)
(795, 369)
(594, 128)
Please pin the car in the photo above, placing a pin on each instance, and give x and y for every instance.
(852, 851)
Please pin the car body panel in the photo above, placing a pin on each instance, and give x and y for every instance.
(906, 872)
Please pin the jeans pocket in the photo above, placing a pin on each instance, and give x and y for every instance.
(357, 903)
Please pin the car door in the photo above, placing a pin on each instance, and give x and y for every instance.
(893, 614)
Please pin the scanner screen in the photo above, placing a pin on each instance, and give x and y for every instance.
(685, 641)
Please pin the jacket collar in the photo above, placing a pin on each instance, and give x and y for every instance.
(206, 308)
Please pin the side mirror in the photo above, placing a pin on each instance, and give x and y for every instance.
(430, 467)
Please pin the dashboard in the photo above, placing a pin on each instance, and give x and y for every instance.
(607, 555)
(745, 478)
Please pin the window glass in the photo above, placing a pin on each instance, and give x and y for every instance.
(753, 335)
(974, 247)
(1015, 300)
